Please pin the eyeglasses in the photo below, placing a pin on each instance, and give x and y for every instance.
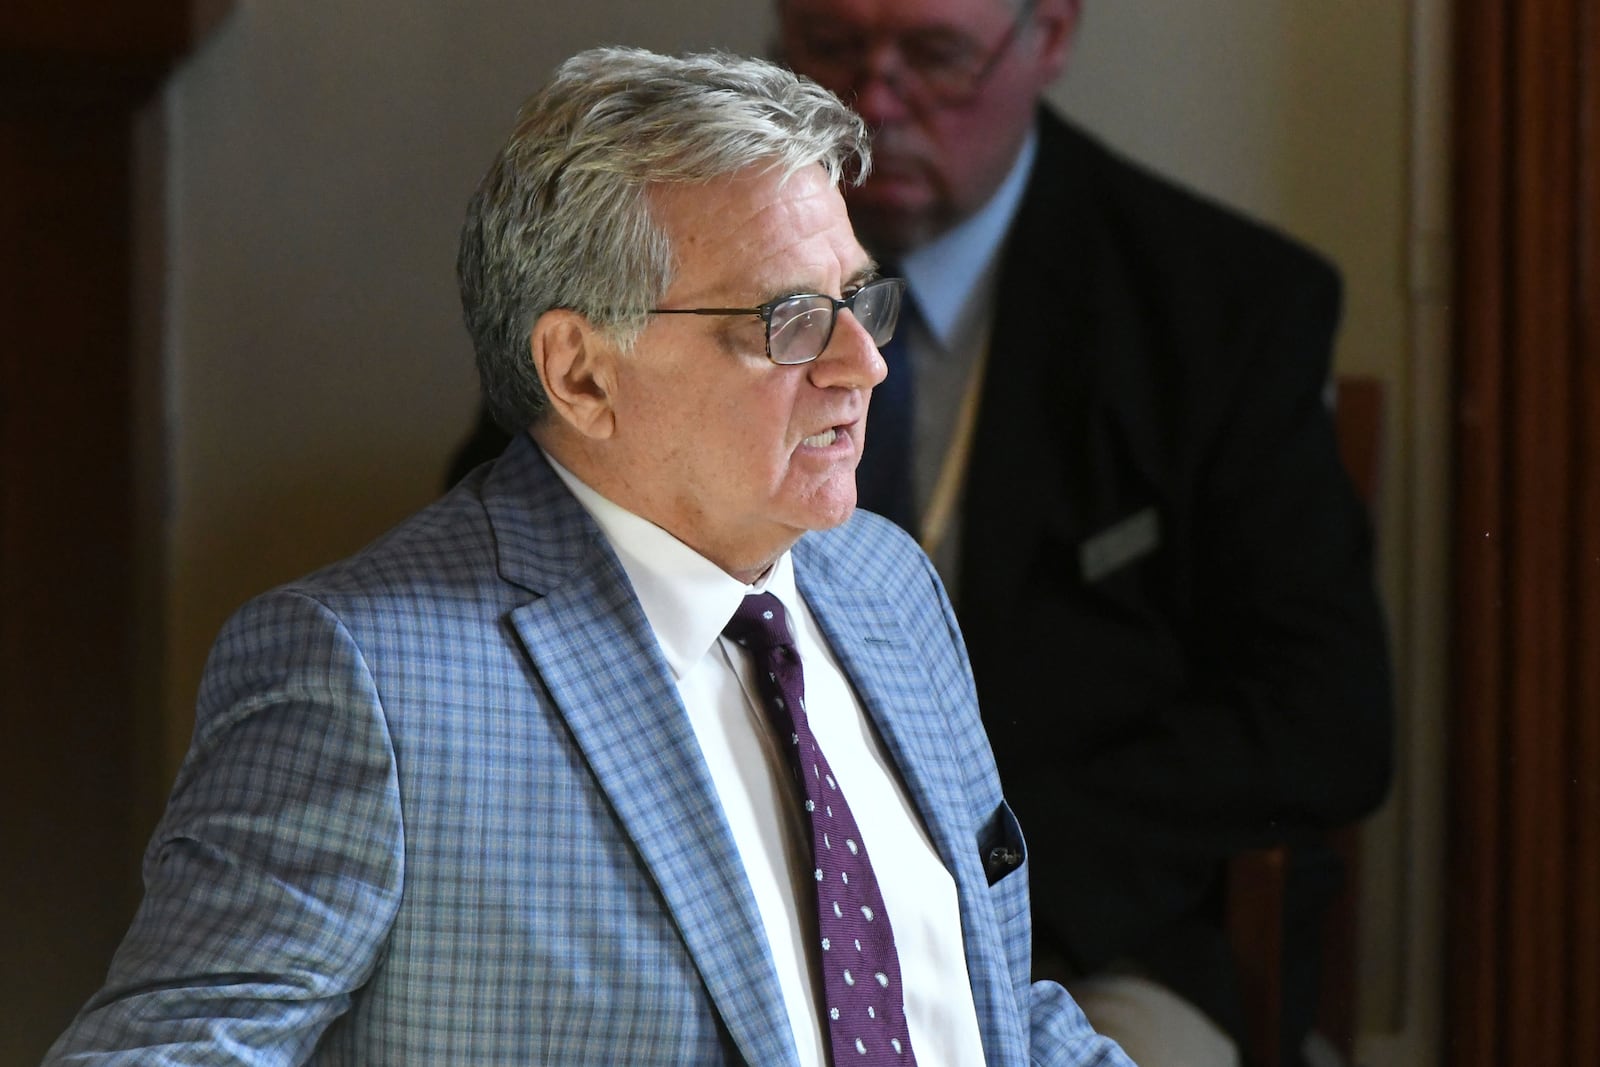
(936, 67)
(800, 326)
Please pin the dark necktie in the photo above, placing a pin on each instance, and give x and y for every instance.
(884, 477)
(860, 970)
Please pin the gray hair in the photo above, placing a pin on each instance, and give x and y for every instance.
(563, 217)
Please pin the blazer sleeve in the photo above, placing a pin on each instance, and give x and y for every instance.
(1061, 1035)
(272, 878)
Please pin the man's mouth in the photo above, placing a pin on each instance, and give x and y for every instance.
(823, 439)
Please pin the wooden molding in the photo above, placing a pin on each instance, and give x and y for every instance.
(107, 29)
(51, 49)
(1523, 977)
(76, 555)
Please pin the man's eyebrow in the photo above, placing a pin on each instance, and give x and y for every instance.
(870, 272)
(855, 280)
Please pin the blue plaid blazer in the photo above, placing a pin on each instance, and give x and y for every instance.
(444, 806)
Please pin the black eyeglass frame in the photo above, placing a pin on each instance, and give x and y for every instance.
(976, 80)
(848, 303)
(921, 91)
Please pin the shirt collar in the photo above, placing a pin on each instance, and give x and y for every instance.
(948, 273)
(686, 598)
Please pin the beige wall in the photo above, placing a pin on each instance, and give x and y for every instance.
(319, 376)
(322, 158)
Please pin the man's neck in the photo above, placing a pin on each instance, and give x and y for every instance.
(576, 462)
(944, 273)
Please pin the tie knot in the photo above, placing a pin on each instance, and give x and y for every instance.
(760, 623)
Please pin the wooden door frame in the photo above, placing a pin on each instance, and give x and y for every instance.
(81, 480)
(1523, 864)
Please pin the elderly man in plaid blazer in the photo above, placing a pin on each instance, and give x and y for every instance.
(498, 789)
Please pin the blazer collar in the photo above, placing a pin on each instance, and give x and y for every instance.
(541, 533)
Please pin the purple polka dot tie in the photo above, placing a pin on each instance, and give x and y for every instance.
(860, 971)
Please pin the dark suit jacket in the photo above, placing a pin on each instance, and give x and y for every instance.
(1159, 362)
(1158, 359)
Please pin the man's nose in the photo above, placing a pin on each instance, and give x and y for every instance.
(851, 360)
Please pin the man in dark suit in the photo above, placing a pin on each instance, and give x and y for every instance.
(638, 747)
(1121, 460)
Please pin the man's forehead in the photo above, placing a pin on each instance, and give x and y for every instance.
(747, 203)
(760, 232)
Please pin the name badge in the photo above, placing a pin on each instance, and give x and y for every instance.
(1120, 544)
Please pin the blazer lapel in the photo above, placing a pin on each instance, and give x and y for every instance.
(637, 739)
(1069, 387)
(1040, 380)
(864, 630)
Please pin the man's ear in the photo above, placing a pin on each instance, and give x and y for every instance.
(577, 366)
(1058, 21)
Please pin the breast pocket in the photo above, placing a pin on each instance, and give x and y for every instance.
(1000, 845)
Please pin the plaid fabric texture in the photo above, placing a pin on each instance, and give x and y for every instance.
(425, 820)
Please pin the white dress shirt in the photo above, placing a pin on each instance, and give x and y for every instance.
(687, 600)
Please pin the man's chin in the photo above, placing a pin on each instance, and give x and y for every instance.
(834, 516)
(829, 510)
